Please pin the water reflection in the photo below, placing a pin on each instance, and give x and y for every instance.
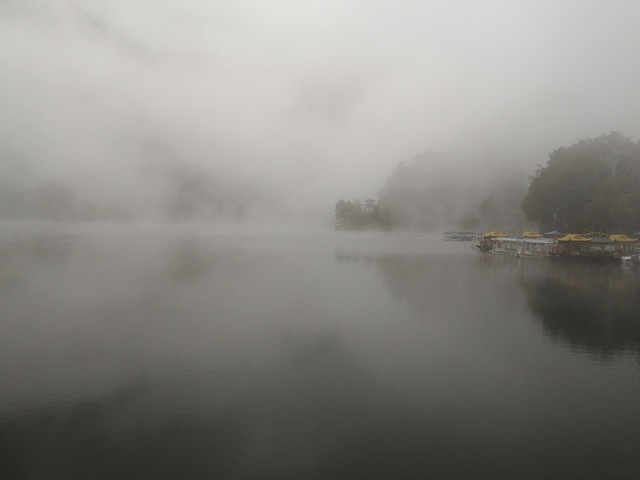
(590, 307)
(231, 356)
(593, 308)
(469, 290)
(312, 412)
(17, 253)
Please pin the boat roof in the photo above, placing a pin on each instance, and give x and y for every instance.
(574, 237)
(494, 234)
(611, 238)
(622, 238)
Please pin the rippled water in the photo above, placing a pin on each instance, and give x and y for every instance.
(148, 352)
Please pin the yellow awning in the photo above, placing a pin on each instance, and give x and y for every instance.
(621, 238)
(494, 234)
(575, 237)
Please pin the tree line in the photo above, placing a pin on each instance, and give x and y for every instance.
(592, 185)
(355, 215)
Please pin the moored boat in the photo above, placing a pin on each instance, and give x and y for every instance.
(526, 245)
(537, 247)
(597, 248)
(485, 242)
(571, 246)
(459, 236)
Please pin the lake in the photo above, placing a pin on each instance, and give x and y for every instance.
(147, 352)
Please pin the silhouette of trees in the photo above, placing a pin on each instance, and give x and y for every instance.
(354, 215)
(592, 185)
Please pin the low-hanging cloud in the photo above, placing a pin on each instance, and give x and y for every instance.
(301, 103)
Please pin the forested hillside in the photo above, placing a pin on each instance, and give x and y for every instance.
(593, 185)
(432, 192)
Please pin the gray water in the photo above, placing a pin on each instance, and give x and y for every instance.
(163, 353)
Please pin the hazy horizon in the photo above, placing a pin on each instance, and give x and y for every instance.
(293, 105)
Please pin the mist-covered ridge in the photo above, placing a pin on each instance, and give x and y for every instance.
(247, 111)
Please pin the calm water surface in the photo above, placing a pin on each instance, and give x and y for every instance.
(167, 353)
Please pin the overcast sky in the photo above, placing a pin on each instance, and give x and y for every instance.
(318, 99)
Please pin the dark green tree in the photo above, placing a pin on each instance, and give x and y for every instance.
(591, 185)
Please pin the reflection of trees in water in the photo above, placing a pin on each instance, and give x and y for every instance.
(422, 281)
(305, 409)
(456, 288)
(589, 306)
(415, 278)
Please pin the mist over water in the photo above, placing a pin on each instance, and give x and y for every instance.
(156, 352)
(184, 309)
(240, 111)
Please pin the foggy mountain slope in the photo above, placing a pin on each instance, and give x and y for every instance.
(430, 193)
(279, 109)
(87, 145)
(157, 189)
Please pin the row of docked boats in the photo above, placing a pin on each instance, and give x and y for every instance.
(571, 246)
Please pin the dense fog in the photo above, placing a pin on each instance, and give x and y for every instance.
(272, 111)
(183, 293)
